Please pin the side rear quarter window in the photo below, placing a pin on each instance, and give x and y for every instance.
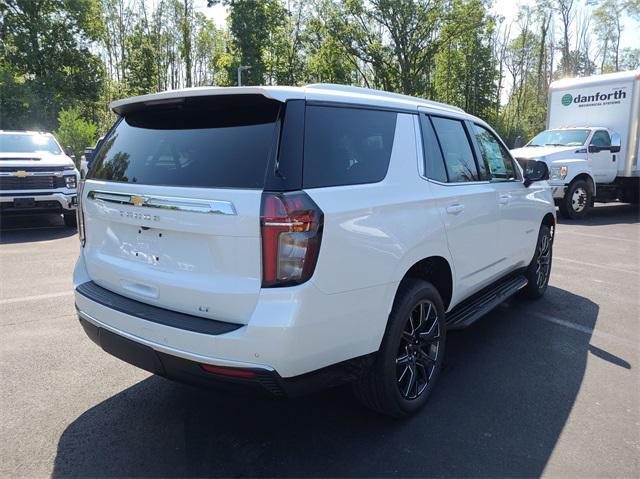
(434, 163)
(457, 151)
(346, 146)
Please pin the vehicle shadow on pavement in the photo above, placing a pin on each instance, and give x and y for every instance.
(508, 388)
(607, 214)
(29, 229)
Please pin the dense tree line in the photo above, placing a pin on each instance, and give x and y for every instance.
(63, 60)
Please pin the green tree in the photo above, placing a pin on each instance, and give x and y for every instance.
(608, 29)
(326, 59)
(185, 46)
(283, 54)
(392, 42)
(75, 132)
(140, 62)
(630, 59)
(45, 51)
(633, 8)
(252, 24)
(566, 11)
(465, 70)
(210, 53)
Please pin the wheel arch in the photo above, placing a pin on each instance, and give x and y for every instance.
(590, 182)
(549, 220)
(437, 271)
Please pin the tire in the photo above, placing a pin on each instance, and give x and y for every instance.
(404, 372)
(539, 270)
(577, 200)
(70, 220)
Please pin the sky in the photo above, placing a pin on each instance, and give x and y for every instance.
(507, 8)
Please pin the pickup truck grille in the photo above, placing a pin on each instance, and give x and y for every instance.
(31, 183)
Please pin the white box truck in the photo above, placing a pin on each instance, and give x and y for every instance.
(592, 141)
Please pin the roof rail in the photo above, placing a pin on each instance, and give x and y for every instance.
(370, 91)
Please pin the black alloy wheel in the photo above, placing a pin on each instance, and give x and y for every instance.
(418, 351)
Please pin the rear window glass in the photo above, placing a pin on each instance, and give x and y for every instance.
(214, 142)
(346, 146)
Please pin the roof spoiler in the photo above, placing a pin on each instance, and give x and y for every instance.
(125, 105)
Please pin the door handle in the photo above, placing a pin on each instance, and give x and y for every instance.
(455, 208)
(504, 199)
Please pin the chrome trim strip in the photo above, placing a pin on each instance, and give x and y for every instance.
(32, 173)
(173, 351)
(193, 205)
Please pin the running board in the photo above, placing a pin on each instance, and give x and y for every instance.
(472, 309)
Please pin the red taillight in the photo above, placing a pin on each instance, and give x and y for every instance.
(291, 234)
(230, 372)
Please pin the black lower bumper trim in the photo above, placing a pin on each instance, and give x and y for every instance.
(154, 314)
(190, 372)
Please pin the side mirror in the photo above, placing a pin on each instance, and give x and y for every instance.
(616, 141)
(594, 149)
(88, 154)
(69, 152)
(535, 171)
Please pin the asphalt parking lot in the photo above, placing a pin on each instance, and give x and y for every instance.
(535, 388)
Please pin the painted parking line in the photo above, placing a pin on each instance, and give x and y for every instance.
(36, 297)
(604, 237)
(595, 265)
(584, 329)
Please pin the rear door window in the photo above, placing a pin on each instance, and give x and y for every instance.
(211, 142)
(346, 146)
(457, 151)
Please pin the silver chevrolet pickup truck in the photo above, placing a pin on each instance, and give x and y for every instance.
(36, 176)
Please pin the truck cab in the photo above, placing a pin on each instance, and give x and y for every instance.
(579, 159)
(592, 141)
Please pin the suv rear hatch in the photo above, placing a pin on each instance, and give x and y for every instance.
(172, 203)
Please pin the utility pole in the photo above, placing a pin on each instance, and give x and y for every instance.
(241, 68)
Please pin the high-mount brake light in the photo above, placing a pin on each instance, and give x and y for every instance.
(291, 226)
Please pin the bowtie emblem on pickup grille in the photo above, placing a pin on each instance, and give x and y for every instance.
(21, 174)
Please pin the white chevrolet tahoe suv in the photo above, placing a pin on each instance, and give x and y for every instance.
(287, 239)
(36, 176)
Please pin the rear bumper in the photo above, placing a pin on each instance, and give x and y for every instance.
(38, 202)
(171, 366)
(292, 331)
(258, 379)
